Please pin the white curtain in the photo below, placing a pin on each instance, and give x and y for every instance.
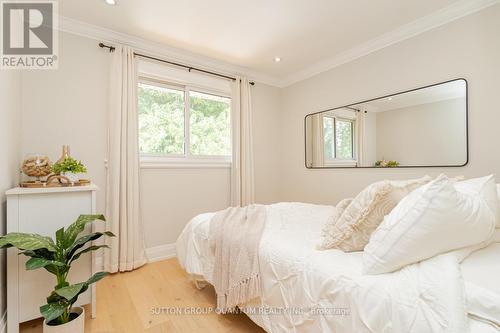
(360, 138)
(242, 170)
(318, 141)
(122, 185)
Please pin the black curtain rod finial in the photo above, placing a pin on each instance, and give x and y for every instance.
(111, 48)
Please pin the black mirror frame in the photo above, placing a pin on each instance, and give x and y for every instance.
(403, 166)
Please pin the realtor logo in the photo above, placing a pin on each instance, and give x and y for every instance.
(29, 35)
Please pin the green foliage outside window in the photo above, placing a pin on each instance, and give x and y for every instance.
(344, 139)
(210, 125)
(161, 122)
(340, 144)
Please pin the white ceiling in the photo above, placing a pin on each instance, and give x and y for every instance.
(250, 34)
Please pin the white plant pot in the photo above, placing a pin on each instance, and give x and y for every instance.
(73, 177)
(76, 325)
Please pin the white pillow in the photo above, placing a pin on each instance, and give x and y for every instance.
(438, 217)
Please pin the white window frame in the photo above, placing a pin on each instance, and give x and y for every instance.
(186, 160)
(340, 162)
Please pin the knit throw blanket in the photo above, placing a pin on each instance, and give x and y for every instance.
(235, 233)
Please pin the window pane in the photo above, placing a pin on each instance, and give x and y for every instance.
(210, 124)
(161, 120)
(328, 124)
(343, 136)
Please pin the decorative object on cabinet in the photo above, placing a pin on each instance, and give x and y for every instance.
(386, 164)
(56, 181)
(36, 165)
(64, 154)
(69, 168)
(57, 257)
(44, 211)
(65, 172)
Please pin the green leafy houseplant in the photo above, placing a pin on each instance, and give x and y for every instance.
(69, 164)
(57, 258)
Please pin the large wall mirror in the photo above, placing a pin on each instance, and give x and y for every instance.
(424, 127)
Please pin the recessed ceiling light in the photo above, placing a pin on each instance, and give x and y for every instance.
(111, 2)
(277, 59)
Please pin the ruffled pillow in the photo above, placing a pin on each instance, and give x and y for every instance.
(351, 231)
(326, 233)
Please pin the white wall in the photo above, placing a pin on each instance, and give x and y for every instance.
(425, 134)
(171, 197)
(10, 129)
(466, 48)
(267, 122)
(69, 106)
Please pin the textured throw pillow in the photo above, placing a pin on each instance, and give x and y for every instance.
(340, 208)
(326, 234)
(436, 218)
(351, 231)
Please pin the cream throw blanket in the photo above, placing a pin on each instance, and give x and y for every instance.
(235, 234)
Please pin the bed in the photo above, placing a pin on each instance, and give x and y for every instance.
(306, 290)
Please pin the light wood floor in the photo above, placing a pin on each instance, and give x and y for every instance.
(125, 304)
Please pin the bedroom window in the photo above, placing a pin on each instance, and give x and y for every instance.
(210, 124)
(183, 125)
(338, 134)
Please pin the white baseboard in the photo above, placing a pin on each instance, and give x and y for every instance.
(161, 252)
(153, 254)
(3, 322)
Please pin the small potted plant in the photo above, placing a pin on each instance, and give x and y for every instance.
(69, 168)
(57, 257)
(386, 164)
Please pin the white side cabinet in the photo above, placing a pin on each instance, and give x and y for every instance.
(43, 211)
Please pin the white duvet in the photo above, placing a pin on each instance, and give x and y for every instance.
(306, 290)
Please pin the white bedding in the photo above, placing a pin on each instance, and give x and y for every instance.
(481, 272)
(425, 297)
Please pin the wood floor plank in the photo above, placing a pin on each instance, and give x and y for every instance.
(142, 291)
(157, 298)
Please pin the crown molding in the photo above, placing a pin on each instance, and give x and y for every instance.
(446, 15)
(101, 34)
(436, 19)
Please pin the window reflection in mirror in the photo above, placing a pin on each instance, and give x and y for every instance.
(421, 127)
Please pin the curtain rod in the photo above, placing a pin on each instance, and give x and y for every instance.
(357, 110)
(189, 68)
